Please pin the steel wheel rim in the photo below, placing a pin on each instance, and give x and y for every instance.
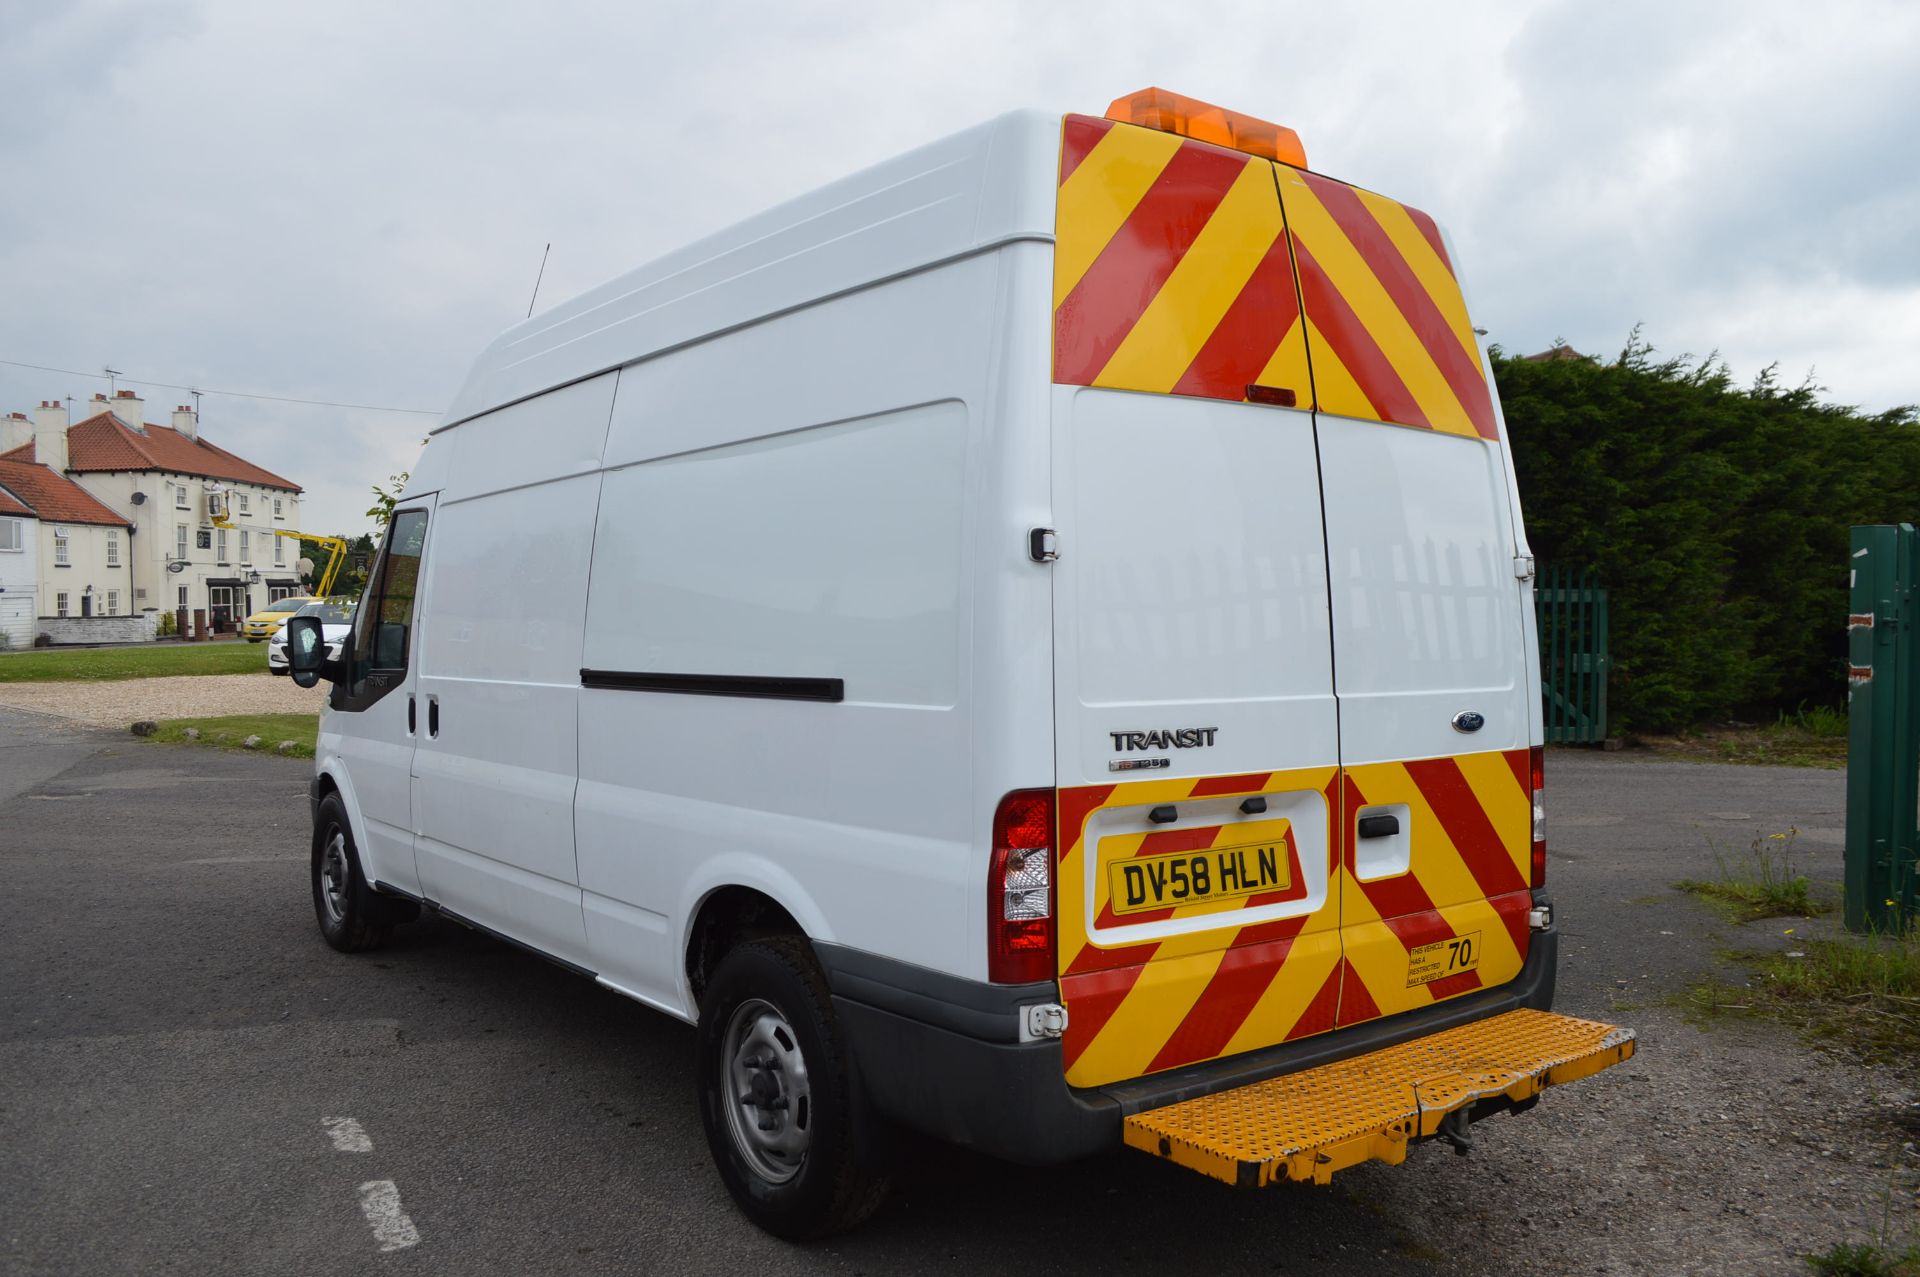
(335, 877)
(765, 1091)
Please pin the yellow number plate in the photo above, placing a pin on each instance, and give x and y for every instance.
(1141, 883)
(1442, 958)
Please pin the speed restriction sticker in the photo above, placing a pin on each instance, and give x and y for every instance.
(1442, 958)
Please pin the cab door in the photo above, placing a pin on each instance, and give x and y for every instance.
(1428, 615)
(374, 723)
(1197, 895)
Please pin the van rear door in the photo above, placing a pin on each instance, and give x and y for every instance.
(1429, 617)
(1198, 896)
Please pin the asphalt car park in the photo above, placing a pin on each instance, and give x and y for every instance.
(190, 1080)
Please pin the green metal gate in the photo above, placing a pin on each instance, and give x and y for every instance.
(1883, 715)
(1571, 612)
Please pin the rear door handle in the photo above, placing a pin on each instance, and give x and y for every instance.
(413, 716)
(433, 717)
(1382, 826)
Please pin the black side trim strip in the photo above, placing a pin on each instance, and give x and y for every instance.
(388, 889)
(766, 688)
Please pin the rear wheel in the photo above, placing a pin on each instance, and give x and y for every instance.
(352, 916)
(777, 1095)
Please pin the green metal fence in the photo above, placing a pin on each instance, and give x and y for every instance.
(1883, 717)
(1572, 615)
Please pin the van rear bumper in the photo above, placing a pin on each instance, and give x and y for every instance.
(942, 1055)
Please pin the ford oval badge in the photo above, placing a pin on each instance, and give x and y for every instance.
(1469, 721)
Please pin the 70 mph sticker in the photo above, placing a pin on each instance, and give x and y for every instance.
(1442, 958)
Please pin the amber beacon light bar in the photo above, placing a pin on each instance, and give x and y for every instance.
(1205, 122)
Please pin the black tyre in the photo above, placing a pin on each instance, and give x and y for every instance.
(352, 916)
(778, 1098)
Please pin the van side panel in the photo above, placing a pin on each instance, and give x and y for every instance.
(500, 667)
(805, 522)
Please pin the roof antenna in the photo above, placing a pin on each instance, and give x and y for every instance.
(537, 278)
(112, 385)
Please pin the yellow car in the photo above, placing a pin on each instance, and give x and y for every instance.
(265, 623)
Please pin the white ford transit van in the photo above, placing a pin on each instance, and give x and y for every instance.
(1032, 642)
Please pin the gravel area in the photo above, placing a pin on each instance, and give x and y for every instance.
(120, 703)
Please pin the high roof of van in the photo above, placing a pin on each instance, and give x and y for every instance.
(989, 185)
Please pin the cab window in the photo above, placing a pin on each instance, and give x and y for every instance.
(382, 641)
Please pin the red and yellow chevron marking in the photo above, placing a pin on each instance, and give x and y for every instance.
(1387, 326)
(1171, 268)
(1471, 818)
(1198, 995)
(1145, 1007)
(1175, 272)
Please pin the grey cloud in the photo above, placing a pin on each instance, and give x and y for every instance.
(347, 201)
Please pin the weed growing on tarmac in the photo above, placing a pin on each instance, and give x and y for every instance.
(1863, 1259)
(1761, 884)
(1858, 992)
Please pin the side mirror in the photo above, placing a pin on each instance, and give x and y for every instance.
(306, 649)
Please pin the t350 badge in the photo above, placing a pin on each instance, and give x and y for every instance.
(1159, 738)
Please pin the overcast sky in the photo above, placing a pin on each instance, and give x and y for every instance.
(346, 201)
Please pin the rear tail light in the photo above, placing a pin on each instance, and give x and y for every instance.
(1020, 889)
(1537, 770)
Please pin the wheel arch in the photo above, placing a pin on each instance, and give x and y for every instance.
(735, 908)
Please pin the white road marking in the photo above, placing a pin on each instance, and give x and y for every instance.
(347, 1134)
(380, 1203)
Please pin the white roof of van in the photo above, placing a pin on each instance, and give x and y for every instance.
(989, 185)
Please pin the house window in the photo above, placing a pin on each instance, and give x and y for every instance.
(243, 498)
(276, 509)
(113, 602)
(179, 495)
(183, 596)
(60, 603)
(62, 555)
(220, 544)
(179, 540)
(246, 553)
(279, 552)
(10, 535)
(113, 547)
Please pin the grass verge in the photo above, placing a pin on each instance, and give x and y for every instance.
(1811, 736)
(98, 664)
(230, 731)
(1762, 883)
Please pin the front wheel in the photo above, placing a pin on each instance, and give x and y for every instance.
(352, 916)
(777, 1096)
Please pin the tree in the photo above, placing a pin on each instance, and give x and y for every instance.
(381, 512)
(1716, 516)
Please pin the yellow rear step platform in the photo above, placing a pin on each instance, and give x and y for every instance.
(1307, 1125)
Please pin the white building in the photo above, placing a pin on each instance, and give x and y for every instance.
(19, 569)
(156, 477)
(64, 554)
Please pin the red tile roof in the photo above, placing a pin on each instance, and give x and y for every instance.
(53, 497)
(104, 442)
(10, 505)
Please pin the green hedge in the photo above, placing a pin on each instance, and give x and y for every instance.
(1716, 516)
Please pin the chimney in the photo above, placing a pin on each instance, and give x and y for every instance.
(15, 430)
(130, 408)
(50, 434)
(186, 421)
